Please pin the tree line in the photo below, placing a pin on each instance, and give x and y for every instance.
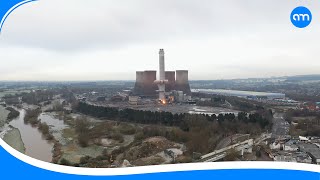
(262, 117)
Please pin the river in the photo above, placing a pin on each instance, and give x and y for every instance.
(36, 146)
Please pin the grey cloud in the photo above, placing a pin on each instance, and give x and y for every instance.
(214, 39)
(73, 24)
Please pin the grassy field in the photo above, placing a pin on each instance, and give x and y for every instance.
(73, 152)
(13, 138)
(3, 115)
(12, 92)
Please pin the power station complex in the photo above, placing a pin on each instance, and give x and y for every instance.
(168, 82)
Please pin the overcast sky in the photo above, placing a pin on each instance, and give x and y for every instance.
(111, 39)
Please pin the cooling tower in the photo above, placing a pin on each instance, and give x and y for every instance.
(138, 87)
(182, 81)
(139, 77)
(148, 85)
(171, 77)
(149, 88)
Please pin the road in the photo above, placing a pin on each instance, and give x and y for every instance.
(280, 126)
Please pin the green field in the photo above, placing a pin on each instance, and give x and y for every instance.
(3, 115)
(13, 92)
(13, 138)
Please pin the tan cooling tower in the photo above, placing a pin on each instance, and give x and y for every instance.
(171, 77)
(139, 77)
(149, 88)
(182, 81)
(138, 87)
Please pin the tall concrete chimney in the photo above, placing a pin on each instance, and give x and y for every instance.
(162, 81)
(161, 65)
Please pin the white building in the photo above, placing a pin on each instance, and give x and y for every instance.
(275, 145)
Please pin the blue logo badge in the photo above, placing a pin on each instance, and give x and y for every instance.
(301, 17)
(6, 7)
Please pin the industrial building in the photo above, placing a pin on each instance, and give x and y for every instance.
(134, 100)
(147, 83)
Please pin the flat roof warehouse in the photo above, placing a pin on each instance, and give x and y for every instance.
(243, 94)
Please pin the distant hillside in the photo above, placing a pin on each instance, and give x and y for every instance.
(303, 78)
